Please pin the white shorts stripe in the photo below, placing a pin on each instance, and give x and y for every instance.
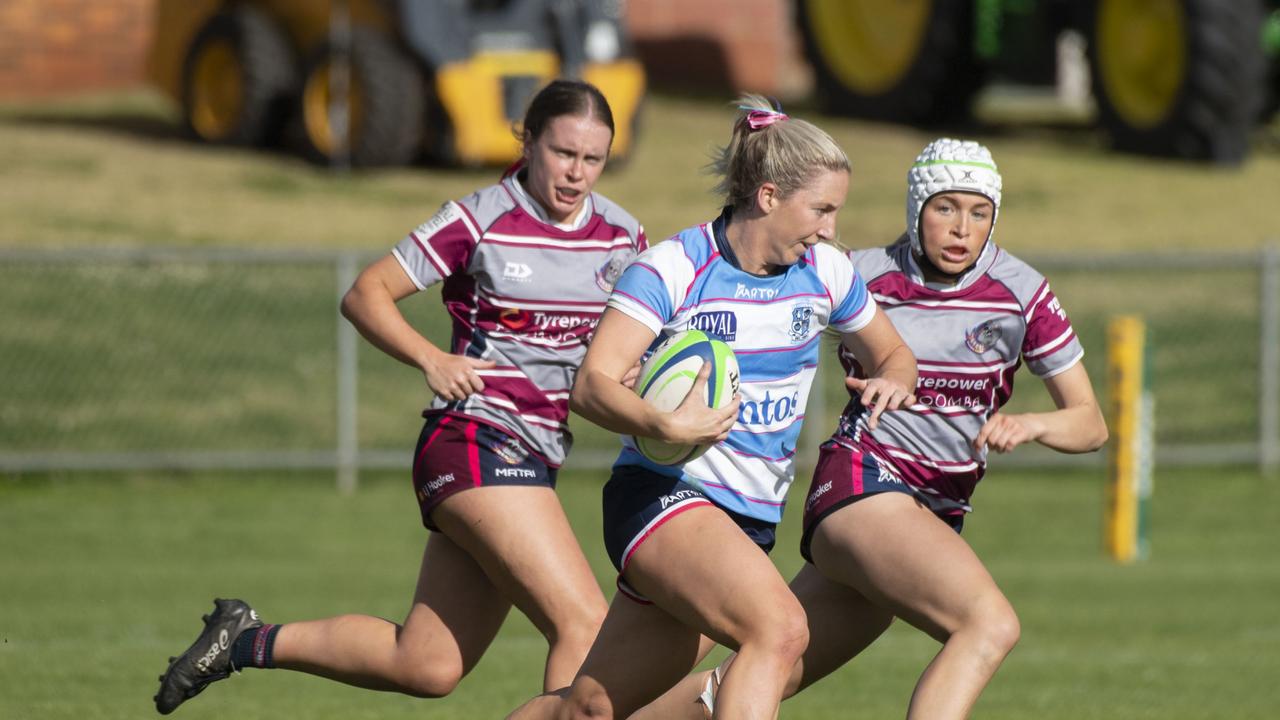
(661, 518)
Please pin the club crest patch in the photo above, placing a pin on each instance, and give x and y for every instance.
(607, 275)
(801, 315)
(510, 450)
(982, 337)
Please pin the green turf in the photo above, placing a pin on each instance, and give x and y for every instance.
(122, 356)
(104, 577)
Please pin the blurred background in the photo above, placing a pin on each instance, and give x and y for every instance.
(187, 187)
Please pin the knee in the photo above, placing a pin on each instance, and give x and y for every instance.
(428, 679)
(794, 634)
(782, 632)
(578, 628)
(997, 626)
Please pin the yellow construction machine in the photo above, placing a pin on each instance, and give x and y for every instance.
(386, 82)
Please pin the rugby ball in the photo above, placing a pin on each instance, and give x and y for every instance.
(667, 377)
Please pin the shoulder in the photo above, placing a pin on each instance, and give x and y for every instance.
(831, 265)
(873, 262)
(615, 216)
(691, 247)
(824, 254)
(486, 205)
(1024, 281)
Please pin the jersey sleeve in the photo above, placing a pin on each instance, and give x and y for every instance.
(1050, 345)
(439, 247)
(852, 307)
(653, 285)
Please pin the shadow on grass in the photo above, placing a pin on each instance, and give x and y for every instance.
(139, 126)
(160, 130)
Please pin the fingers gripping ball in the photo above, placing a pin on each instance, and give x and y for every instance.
(669, 375)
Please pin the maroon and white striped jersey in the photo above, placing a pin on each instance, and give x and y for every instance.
(525, 293)
(968, 341)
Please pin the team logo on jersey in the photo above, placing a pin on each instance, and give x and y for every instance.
(517, 272)
(607, 275)
(514, 318)
(448, 213)
(754, 293)
(510, 450)
(723, 324)
(982, 337)
(800, 322)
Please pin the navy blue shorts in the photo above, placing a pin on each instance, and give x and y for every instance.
(844, 476)
(637, 501)
(455, 453)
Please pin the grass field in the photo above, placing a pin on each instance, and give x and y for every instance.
(104, 356)
(103, 578)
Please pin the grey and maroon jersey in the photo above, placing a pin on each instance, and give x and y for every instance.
(525, 293)
(968, 342)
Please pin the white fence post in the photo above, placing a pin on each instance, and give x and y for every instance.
(348, 451)
(1269, 361)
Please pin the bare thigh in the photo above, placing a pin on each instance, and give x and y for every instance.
(521, 540)
(842, 623)
(456, 611)
(703, 570)
(897, 554)
(640, 652)
(705, 577)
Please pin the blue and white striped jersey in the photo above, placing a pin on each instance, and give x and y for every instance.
(773, 323)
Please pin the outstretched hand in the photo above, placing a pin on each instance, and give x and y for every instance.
(880, 394)
(454, 377)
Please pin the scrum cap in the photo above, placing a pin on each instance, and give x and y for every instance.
(947, 165)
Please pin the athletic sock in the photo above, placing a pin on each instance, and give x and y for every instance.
(255, 648)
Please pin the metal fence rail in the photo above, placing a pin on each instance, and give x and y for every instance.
(197, 359)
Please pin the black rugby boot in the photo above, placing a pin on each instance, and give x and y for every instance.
(209, 657)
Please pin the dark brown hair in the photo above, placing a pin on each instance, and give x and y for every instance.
(564, 97)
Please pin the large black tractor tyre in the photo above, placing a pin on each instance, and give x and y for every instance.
(906, 61)
(1178, 78)
(386, 109)
(238, 79)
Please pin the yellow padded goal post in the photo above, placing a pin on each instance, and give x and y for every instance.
(1131, 460)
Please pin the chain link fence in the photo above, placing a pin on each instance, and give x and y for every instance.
(232, 359)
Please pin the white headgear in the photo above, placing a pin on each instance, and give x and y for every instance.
(947, 165)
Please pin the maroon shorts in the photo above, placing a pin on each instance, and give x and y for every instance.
(455, 453)
(845, 475)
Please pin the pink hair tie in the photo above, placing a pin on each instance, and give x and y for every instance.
(763, 118)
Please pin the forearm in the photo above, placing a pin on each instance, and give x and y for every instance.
(900, 367)
(376, 317)
(1077, 429)
(611, 405)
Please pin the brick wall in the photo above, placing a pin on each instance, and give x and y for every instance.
(741, 44)
(51, 47)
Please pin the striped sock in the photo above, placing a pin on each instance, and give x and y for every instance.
(255, 648)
